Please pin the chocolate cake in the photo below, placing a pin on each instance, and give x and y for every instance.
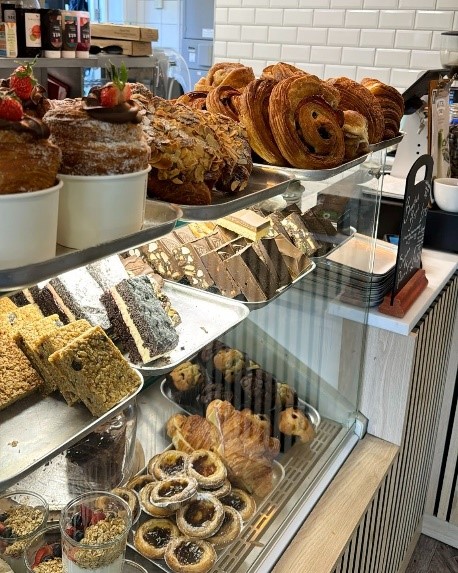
(139, 320)
(75, 295)
(221, 277)
(268, 251)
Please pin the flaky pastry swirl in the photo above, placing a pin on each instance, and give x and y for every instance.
(224, 99)
(254, 114)
(305, 124)
(281, 71)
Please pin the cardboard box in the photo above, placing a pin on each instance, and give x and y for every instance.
(129, 47)
(124, 32)
(8, 40)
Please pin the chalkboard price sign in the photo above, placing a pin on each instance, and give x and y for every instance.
(411, 237)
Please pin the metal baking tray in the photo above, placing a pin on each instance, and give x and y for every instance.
(37, 428)
(312, 413)
(387, 143)
(265, 182)
(278, 476)
(204, 317)
(160, 219)
(317, 174)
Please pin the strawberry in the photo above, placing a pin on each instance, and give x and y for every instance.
(117, 90)
(97, 515)
(22, 80)
(10, 107)
(41, 553)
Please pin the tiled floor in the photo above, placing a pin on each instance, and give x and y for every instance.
(431, 556)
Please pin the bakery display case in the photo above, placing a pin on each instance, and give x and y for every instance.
(294, 336)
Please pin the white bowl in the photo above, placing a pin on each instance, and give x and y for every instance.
(100, 208)
(28, 226)
(446, 194)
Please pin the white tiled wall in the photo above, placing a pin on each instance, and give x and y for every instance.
(392, 40)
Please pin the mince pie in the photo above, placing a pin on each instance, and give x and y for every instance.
(170, 463)
(172, 493)
(229, 529)
(207, 468)
(201, 517)
(184, 555)
(153, 536)
(242, 501)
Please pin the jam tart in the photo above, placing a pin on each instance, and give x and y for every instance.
(153, 536)
(169, 464)
(201, 517)
(131, 497)
(229, 529)
(137, 483)
(149, 507)
(172, 493)
(224, 489)
(242, 501)
(207, 468)
(184, 555)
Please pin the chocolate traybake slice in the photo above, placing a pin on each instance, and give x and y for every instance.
(140, 323)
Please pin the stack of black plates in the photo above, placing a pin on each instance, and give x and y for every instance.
(359, 272)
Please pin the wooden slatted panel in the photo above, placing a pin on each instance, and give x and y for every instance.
(382, 539)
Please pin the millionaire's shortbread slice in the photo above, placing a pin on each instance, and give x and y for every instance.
(13, 320)
(139, 320)
(18, 378)
(28, 336)
(97, 370)
(49, 343)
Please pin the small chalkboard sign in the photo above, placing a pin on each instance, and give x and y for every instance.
(416, 201)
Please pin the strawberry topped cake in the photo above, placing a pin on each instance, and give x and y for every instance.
(100, 134)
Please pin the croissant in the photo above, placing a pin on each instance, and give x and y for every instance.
(231, 74)
(225, 100)
(28, 160)
(305, 124)
(281, 71)
(254, 114)
(194, 99)
(189, 433)
(355, 96)
(391, 102)
(355, 134)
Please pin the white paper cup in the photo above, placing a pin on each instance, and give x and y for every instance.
(100, 208)
(28, 227)
(446, 194)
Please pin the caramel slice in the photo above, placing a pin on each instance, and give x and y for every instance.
(246, 223)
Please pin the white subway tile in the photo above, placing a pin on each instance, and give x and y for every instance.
(381, 74)
(228, 33)
(325, 55)
(254, 33)
(327, 18)
(436, 42)
(283, 34)
(347, 4)
(284, 3)
(312, 36)
(446, 5)
(358, 56)
(336, 71)
(361, 19)
(219, 49)
(229, 3)
(297, 18)
(291, 53)
(254, 3)
(412, 39)
(417, 4)
(380, 4)
(314, 4)
(403, 78)
(437, 20)
(377, 38)
(239, 50)
(315, 69)
(269, 51)
(221, 16)
(397, 19)
(389, 58)
(343, 37)
(269, 17)
(428, 60)
(241, 16)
